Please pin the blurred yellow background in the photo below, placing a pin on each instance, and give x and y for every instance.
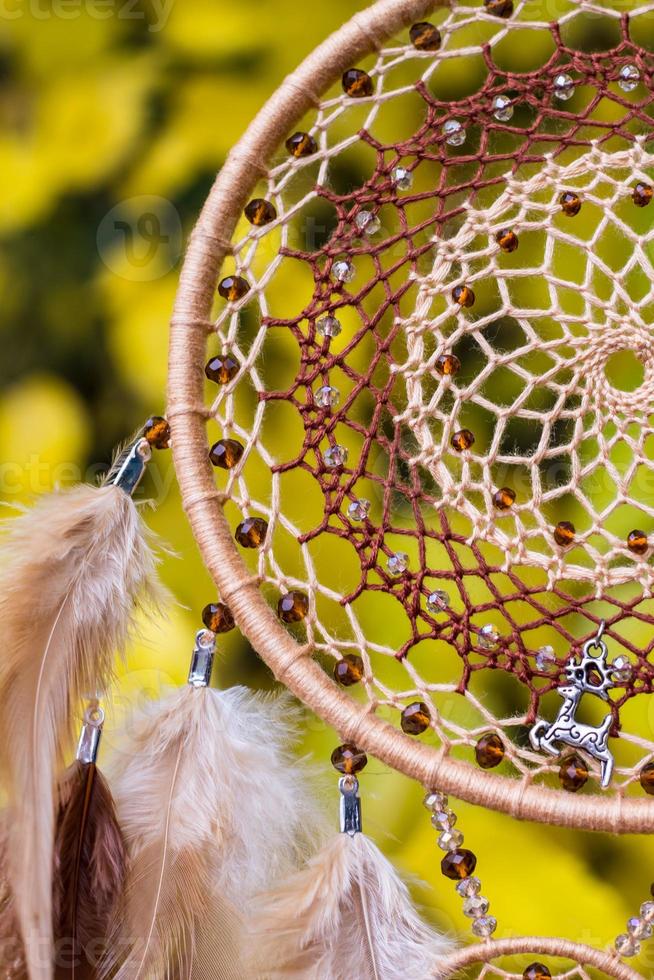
(109, 112)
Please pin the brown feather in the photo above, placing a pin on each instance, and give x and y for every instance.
(89, 871)
(12, 953)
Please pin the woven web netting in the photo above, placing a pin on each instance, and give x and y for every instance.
(376, 454)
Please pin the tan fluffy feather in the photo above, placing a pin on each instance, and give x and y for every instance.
(347, 914)
(71, 571)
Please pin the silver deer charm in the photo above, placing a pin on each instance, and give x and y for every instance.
(591, 676)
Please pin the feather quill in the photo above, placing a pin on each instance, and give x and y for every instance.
(346, 914)
(72, 569)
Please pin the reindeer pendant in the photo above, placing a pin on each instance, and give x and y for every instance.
(591, 676)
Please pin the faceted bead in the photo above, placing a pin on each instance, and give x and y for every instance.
(545, 659)
(438, 601)
(335, 456)
(435, 801)
(260, 212)
(454, 132)
(647, 778)
(301, 145)
(570, 203)
(637, 542)
(425, 37)
(642, 194)
(507, 240)
(488, 637)
(573, 772)
(327, 396)
(638, 928)
(502, 108)
(504, 498)
(415, 718)
(343, 271)
(626, 945)
(501, 8)
(358, 510)
(536, 971)
(489, 751)
(564, 87)
(621, 670)
(233, 288)
(348, 759)
(226, 453)
(251, 533)
(647, 911)
(217, 617)
(485, 926)
(629, 78)
(222, 369)
(349, 670)
(367, 223)
(328, 326)
(458, 864)
(468, 887)
(443, 819)
(450, 840)
(462, 440)
(357, 83)
(463, 295)
(564, 534)
(448, 365)
(402, 178)
(157, 432)
(475, 906)
(293, 607)
(398, 563)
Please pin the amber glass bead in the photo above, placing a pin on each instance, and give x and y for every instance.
(425, 37)
(507, 240)
(462, 440)
(642, 194)
(647, 781)
(301, 145)
(348, 759)
(157, 432)
(458, 864)
(463, 295)
(536, 971)
(448, 365)
(570, 203)
(504, 498)
(293, 607)
(489, 751)
(217, 617)
(415, 718)
(251, 533)
(260, 212)
(564, 534)
(222, 368)
(573, 772)
(638, 542)
(501, 8)
(233, 288)
(357, 83)
(349, 670)
(226, 453)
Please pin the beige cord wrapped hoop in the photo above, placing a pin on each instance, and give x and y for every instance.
(583, 955)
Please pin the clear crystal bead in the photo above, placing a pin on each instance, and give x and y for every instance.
(546, 660)
(449, 840)
(359, 509)
(435, 801)
(621, 670)
(488, 637)
(328, 326)
(398, 563)
(402, 178)
(564, 87)
(367, 223)
(468, 887)
(443, 819)
(438, 601)
(647, 911)
(502, 108)
(454, 132)
(629, 78)
(336, 456)
(343, 271)
(638, 928)
(475, 906)
(484, 926)
(327, 397)
(626, 945)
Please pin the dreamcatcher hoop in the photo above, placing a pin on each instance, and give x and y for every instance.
(289, 660)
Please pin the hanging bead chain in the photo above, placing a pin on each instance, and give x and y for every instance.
(638, 927)
(459, 864)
